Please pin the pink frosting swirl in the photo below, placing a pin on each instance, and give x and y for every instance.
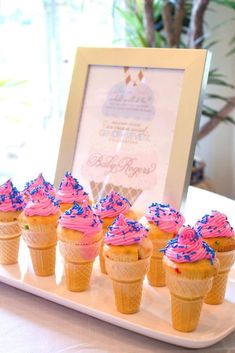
(165, 217)
(10, 198)
(112, 205)
(125, 231)
(215, 225)
(41, 203)
(39, 181)
(70, 190)
(81, 218)
(188, 246)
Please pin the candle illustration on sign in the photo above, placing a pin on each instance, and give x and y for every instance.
(119, 161)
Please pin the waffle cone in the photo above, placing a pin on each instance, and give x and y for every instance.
(99, 190)
(217, 293)
(42, 248)
(78, 275)
(9, 242)
(127, 296)
(43, 260)
(36, 239)
(78, 263)
(185, 313)
(127, 279)
(9, 249)
(156, 274)
(9, 229)
(102, 259)
(78, 253)
(187, 296)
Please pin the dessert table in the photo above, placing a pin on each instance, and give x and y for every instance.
(31, 324)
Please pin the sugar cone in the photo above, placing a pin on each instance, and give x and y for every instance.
(99, 190)
(9, 242)
(156, 274)
(217, 292)
(127, 279)
(187, 296)
(78, 263)
(42, 248)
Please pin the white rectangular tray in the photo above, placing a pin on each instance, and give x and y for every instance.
(152, 320)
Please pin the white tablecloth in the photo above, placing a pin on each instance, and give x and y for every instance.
(29, 324)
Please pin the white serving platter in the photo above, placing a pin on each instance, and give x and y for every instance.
(153, 319)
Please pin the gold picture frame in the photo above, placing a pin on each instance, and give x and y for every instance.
(171, 72)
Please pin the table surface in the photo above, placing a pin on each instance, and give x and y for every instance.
(29, 324)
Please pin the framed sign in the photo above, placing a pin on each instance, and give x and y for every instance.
(132, 120)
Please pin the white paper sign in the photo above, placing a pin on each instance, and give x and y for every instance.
(127, 128)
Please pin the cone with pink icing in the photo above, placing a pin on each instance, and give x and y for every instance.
(190, 265)
(127, 253)
(38, 223)
(11, 205)
(219, 235)
(109, 208)
(79, 232)
(163, 223)
(70, 191)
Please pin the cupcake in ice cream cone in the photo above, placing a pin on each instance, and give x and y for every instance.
(190, 265)
(79, 233)
(11, 205)
(38, 182)
(163, 223)
(219, 235)
(70, 191)
(109, 208)
(38, 223)
(127, 253)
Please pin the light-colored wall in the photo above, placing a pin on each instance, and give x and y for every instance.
(218, 148)
(233, 161)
